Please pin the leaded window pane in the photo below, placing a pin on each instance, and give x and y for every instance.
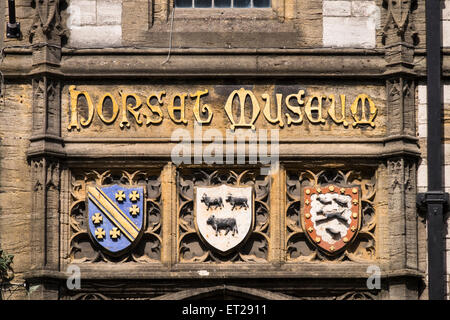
(223, 3)
(183, 3)
(242, 3)
(261, 3)
(202, 3)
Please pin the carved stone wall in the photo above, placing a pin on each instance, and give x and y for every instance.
(191, 248)
(270, 54)
(15, 180)
(299, 247)
(82, 249)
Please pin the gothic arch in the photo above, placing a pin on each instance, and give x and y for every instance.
(225, 292)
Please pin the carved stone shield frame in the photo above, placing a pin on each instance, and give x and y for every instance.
(223, 219)
(119, 222)
(331, 216)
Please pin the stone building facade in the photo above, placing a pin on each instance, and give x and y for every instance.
(98, 94)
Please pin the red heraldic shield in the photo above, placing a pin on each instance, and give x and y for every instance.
(331, 216)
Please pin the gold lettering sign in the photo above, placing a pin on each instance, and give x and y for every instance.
(172, 108)
(205, 108)
(309, 108)
(74, 94)
(293, 109)
(242, 109)
(266, 110)
(242, 94)
(115, 110)
(154, 109)
(130, 108)
(332, 110)
(363, 118)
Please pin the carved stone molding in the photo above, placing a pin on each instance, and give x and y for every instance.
(90, 296)
(46, 20)
(46, 129)
(82, 249)
(358, 295)
(46, 179)
(224, 291)
(399, 25)
(350, 295)
(46, 34)
(46, 150)
(190, 246)
(399, 33)
(403, 219)
(298, 247)
(400, 38)
(401, 106)
(46, 106)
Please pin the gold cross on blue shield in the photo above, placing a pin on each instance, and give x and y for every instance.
(116, 216)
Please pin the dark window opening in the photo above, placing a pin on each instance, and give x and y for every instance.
(222, 3)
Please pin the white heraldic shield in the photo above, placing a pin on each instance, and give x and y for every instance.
(224, 215)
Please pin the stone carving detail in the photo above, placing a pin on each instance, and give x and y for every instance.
(53, 176)
(340, 295)
(191, 247)
(46, 18)
(46, 106)
(358, 295)
(82, 249)
(38, 174)
(401, 106)
(299, 247)
(402, 174)
(351, 295)
(90, 296)
(400, 38)
(46, 34)
(399, 35)
(403, 231)
(46, 179)
(399, 24)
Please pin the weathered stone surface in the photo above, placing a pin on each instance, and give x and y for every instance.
(15, 182)
(356, 25)
(337, 8)
(446, 33)
(348, 32)
(422, 178)
(366, 9)
(95, 23)
(262, 58)
(445, 18)
(422, 94)
(95, 36)
(109, 12)
(445, 5)
(82, 13)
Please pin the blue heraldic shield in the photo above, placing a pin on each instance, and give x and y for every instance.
(116, 216)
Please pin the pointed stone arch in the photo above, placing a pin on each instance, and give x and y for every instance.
(224, 292)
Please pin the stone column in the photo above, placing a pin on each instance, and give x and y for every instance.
(46, 152)
(169, 217)
(399, 38)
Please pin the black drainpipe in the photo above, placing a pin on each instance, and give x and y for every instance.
(435, 199)
(12, 27)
